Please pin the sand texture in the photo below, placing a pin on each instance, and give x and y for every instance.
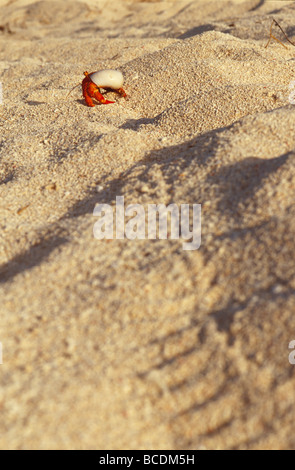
(139, 344)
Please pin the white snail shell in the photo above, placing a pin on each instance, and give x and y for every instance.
(108, 79)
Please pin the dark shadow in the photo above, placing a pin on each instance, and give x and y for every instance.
(169, 361)
(258, 5)
(240, 233)
(171, 167)
(274, 12)
(199, 406)
(88, 27)
(82, 101)
(241, 180)
(197, 30)
(35, 103)
(290, 31)
(7, 178)
(135, 124)
(59, 154)
(225, 316)
(32, 257)
(5, 29)
(172, 161)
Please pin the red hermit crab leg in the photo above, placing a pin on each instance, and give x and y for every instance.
(122, 92)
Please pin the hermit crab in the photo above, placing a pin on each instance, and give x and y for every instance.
(106, 79)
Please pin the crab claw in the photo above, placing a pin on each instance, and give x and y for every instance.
(99, 97)
(92, 91)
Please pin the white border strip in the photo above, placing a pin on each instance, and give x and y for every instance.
(292, 92)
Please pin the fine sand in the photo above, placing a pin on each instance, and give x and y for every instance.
(139, 344)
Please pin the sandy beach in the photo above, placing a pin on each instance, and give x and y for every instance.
(140, 344)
